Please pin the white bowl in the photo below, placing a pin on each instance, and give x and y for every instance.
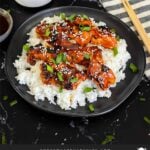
(33, 3)
(9, 19)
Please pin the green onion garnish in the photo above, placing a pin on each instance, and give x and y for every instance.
(117, 37)
(60, 89)
(60, 76)
(26, 47)
(64, 58)
(133, 67)
(47, 32)
(53, 60)
(87, 89)
(85, 28)
(115, 51)
(91, 107)
(60, 58)
(85, 17)
(72, 17)
(108, 139)
(49, 68)
(86, 56)
(5, 97)
(142, 99)
(62, 16)
(113, 30)
(73, 80)
(4, 141)
(14, 102)
(146, 119)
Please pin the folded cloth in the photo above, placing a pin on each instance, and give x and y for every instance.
(142, 9)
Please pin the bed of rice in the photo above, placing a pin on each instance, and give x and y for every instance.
(68, 99)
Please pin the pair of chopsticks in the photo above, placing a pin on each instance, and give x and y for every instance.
(137, 24)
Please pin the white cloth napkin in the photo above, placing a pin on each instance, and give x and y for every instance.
(142, 9)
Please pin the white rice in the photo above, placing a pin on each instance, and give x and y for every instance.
(68, 99)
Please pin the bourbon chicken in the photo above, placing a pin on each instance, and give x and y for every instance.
(70, 45)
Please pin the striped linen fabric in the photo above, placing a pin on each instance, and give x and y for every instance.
(142, 9)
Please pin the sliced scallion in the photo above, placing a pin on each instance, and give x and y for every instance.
(147, 120)
(85, 17)
(113, 30)
(60, 89)
(64, 58)
(62, 16)
(73, 80)
(60, 76)
(133, 68)
(60, 58)
(115, 51)
(26, 47)
(72, 17)
(142, 99)
(53, 60)
(88, 89)
(5, 97)
(86, 56)
(4, 141)
(85, 28)
(47, 32)
(91, 107)
(49, 68)
(117, 37)
(108, 139)
(14, 102)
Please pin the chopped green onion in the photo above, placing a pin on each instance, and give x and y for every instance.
(73, 80)
(60, 58)
(64, 58)
(85, 28)
(133, 67)
(4, 141)
(113, 30)
(146, 119)
(117, 37)
(53, 60)
(108, 139)
(49, 68)
(62, 16)
(60, 89)
(85, 17)
(60, 76)
(115, 51)
(26, 47)
(47, 32)
(5, 97)
(14, 102)
(72, 17)
(87, 89)
(86, 56)
(91, 107)
(142, 99)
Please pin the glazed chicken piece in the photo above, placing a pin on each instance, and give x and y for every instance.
(102, 75)
(36, 54)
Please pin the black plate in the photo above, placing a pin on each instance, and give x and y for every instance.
(103, 105)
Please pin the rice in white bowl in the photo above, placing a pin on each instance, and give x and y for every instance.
(68, 99)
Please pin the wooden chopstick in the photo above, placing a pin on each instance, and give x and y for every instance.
(137, 24)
